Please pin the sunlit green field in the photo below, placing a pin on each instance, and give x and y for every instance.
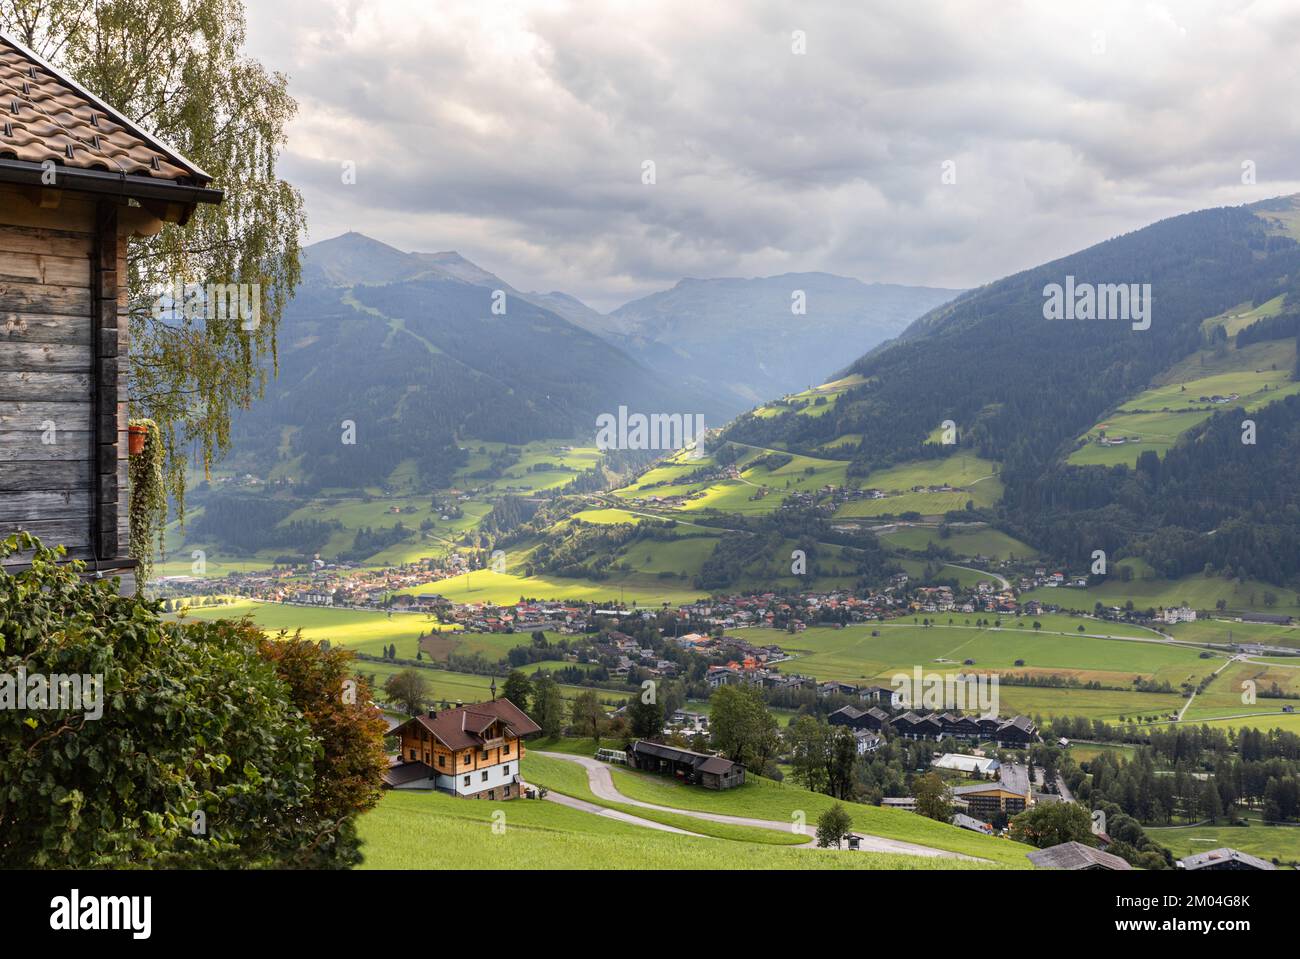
(1226, 631)
(974, 478)
(1200, 592)
(965, 576)
(362, 630)
(781, 802)
(1259, 375)
(1243, 315)
(468, 687)
(1268, 842)
(1231, 689)
(854, 654)
(411, 830)
(487, 586)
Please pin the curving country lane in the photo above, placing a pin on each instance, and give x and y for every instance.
(602, 785)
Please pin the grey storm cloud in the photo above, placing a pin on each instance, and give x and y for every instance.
(516, 133)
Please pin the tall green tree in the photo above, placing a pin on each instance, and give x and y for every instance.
(408, 690)
(178, 69)
(1050, 824)
(645, 718)
(932, 797)
(833, 825)
(742, 726)
(548, 706)
(587, 714)
(518, 688)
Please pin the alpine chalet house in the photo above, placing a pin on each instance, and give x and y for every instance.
(77, 181)
(471, 751)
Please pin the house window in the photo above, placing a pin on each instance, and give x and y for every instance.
(442, 762)
(466, 780)
(492, 794)
(506, 769)
(412, 755)
(483, 754)
(485, 774)
(469, 758)
(505, 750)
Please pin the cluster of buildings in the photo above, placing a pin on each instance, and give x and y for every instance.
(1018, 732)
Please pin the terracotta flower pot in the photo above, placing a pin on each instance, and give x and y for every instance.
(136, 437)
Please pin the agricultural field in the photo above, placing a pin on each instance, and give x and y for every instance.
(362, 630)
(488, 586)
(802, 474)
(1086, 752)
(963, 541)
(1279, 844)
(1242, 315)
(974, 479)
(1231, 631)
(965, 576)
(1227, 695)
(1258, 375)
(411, 830)
(523, 476)
(854, 654)
(811, 402)
(466, 687)
(1199, 592)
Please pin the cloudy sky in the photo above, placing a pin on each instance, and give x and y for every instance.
(518, 133)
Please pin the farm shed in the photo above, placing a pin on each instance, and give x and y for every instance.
(711, 772)
(77, 182)
(1077, 856)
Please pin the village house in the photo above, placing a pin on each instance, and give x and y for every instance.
(78, 180)
(471, 751)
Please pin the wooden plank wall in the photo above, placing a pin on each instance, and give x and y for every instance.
(49, 350)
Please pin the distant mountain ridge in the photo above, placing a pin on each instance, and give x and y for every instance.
(745, 338)
(412, 348)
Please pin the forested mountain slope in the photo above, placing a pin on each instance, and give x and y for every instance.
(1023, 389)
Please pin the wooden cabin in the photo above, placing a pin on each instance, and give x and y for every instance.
(77, 181)
(471, 751)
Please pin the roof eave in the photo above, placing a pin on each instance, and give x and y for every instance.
(104, 183)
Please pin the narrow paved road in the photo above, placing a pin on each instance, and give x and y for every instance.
(602, 784)
(592, 808)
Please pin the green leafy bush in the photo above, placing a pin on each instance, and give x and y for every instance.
(201, 757)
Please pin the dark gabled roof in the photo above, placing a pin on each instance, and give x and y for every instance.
(1023, 723)
(716, 765)
(463, 727)
(1214, 857)
(1075, 855)
(878, 713)
(403, 773)
(700, 761)
(851, 712)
